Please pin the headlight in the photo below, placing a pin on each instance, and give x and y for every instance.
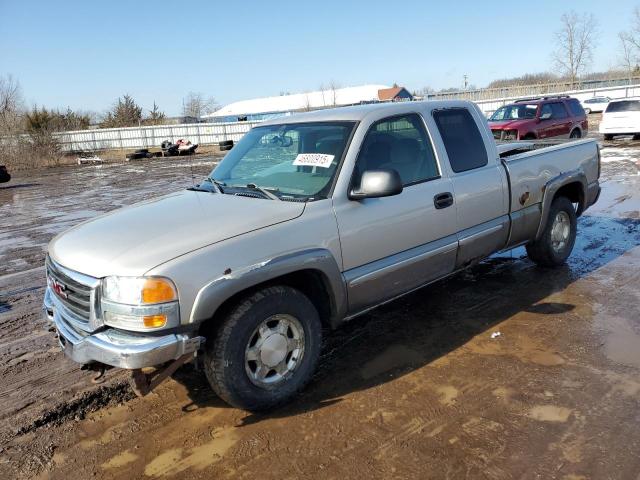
(139, 290)
(139, 303)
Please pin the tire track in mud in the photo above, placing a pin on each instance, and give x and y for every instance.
(78, 408)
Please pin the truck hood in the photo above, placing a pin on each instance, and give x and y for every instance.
(132, 240)
(509, 124)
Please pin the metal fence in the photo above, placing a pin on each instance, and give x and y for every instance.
(152, 136)
(489, 106)
(481, 94)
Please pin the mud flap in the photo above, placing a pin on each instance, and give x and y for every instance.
(143, 383)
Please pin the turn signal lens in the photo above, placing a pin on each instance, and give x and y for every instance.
(154, 321)
(158, 290)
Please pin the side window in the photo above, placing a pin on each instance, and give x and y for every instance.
(462, 139)
(575, 107)
(399, 143)
(559, 111)
(546, 110)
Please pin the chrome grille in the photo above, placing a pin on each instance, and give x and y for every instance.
(74, 291)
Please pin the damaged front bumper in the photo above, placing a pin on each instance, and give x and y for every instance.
(114, 347)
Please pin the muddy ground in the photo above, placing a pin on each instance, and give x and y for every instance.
(416, 389)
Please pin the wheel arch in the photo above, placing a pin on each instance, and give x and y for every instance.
(572, 185)
(314, 272)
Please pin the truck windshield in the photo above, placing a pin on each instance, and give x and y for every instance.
(295, 161)
(514, 112)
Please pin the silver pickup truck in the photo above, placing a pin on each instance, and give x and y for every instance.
(308, 222)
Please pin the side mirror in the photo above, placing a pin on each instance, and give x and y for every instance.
(376, 184)
(545, 116)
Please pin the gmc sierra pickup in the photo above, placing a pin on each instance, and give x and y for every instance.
(308, 222)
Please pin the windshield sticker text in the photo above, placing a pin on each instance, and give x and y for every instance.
(314, 160)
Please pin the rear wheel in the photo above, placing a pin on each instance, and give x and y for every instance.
(608, 136)
(556, 242)
(575, 133)
(266, 349)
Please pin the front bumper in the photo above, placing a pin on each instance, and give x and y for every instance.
(115, 347)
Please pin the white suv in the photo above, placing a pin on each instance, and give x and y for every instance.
(621, 117)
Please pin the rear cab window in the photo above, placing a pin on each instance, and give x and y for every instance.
(462, 139)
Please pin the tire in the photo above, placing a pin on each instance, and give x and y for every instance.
(225, 143)
(548, 251)
(529, 136)
(587, 111)
(575, 133)
(224, 148)
(241, 372)
(608, 136)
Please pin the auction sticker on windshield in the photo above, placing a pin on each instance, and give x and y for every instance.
(314, 160)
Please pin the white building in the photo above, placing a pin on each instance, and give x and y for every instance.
(270, 107)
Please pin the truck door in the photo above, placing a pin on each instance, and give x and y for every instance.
(393, 244)
(479, 185)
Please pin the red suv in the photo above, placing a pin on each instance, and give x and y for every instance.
(545, 117)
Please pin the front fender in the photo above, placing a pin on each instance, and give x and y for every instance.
(215, 293)
(552, 187)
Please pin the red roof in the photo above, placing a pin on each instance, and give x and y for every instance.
(389, 93)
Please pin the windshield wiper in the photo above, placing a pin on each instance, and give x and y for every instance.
(217, 184)
(264, 191)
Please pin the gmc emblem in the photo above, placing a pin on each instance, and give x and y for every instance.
(59, 288)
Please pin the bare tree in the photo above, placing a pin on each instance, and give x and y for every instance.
(322, 92)
(307, 103)
(196, 104)
(11, 104)
(333, 93)
(628, 54)
(576, 43)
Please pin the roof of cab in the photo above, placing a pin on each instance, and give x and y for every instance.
(360, 112)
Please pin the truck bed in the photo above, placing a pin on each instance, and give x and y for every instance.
(532, 165)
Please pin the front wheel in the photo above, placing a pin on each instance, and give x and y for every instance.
(587, 111)
(575, 134)
(266, 349)
(608, 136)
(556, 242)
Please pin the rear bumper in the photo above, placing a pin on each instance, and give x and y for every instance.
(620, 129)
(116, 347)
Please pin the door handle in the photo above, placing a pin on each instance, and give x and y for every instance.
(443, 200)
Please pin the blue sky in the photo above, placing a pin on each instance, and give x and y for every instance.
(86, 54)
